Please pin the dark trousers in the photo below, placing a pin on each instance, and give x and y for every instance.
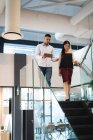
(47, 72)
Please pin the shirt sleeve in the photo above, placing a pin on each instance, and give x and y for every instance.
(53, 57)
(38, 52)
(53, 53)
(73, 57)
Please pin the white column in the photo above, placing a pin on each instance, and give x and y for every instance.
(2, 6)
(12, 20)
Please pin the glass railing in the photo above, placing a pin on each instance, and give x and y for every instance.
(82, 92)
(86, 77)
(6, 123)
(86, 83)
(54, 124)
(86, 72)
(87, 60)
(49, 121)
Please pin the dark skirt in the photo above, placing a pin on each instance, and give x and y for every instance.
(66, 74)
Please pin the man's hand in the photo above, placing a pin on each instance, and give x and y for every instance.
(55, 59)
(44, 55)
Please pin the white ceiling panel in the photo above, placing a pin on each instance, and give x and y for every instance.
(61, 7)
(67, 10)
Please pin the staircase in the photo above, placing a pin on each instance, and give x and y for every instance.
(80, 118)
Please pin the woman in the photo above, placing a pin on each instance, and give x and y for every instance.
(66, 67)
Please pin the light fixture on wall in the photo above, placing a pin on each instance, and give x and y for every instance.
(74, 39)
(12, 20)
(62, 37)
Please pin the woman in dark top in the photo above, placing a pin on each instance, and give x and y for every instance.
(66, 67)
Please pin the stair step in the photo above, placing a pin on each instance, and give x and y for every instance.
(72, 104)
(72, 139)
(75, 111)
(75, 120)
(83, 129)
(86, 137)
(90, 104)
(80, 118)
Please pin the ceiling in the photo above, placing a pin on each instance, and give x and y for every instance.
(61, 7)
(69, 10)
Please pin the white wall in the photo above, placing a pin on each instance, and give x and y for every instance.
(56, 80)
(6, 69)
(27, 74)
(45, 22)
(26, 79)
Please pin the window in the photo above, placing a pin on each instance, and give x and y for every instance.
(18, 48)
(25, 49)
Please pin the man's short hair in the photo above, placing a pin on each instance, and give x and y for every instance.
(48, 35)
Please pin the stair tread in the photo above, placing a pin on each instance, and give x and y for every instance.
(83, 126)
(75, 112)
(88, 116)
(90, 104)
(80, 118)
(75, 120)
(74, 108)
(86, 137)
(71, 104)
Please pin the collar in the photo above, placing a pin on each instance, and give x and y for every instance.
(45, 45)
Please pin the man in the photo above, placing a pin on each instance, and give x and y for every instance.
(44, 55)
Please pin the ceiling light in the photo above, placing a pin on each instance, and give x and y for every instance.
(12, 20)
(12, 35)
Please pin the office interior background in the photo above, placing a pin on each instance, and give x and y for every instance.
(29, 108)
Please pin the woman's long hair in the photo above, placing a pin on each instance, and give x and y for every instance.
(63, 49)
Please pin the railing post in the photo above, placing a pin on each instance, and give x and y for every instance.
(92, 55)
(33, 95)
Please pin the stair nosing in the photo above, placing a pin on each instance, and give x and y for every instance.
(83, 125)
(80, 116)
(74, 108)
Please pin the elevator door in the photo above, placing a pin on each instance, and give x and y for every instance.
(28, 130)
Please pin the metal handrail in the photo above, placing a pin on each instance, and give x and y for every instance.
(86, 69)
(86, 54)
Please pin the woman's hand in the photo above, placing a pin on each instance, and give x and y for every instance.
(55, 59)
(76, 62)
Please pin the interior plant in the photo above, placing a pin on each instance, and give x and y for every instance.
(2, 127)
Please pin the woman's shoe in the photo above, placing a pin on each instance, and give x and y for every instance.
(67, 100)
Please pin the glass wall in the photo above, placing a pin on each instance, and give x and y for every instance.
(49, 120)
(24, 49)
(5, 114)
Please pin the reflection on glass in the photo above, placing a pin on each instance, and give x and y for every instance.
(26, 102)
(50, 121)
(5, 114)
(87, 75)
